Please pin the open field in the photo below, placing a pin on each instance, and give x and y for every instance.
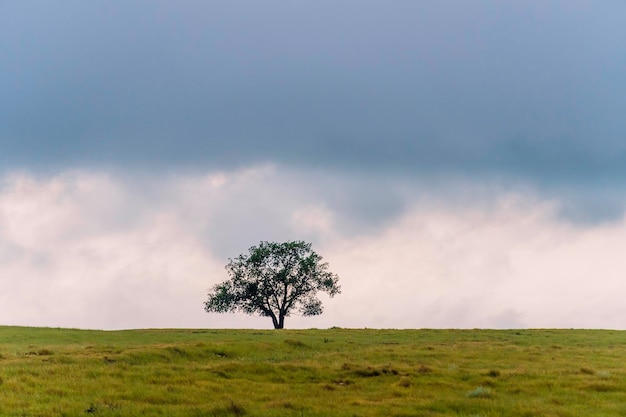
(335, 372)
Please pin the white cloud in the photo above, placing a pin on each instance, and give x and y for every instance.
(86, 256)
(514, 265)
(96, 250)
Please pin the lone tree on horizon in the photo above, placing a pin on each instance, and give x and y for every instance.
(272, 280)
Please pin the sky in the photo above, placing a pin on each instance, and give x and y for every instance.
(459, 164)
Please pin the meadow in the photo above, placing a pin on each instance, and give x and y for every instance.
(333, 372)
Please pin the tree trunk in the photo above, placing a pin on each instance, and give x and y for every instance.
(279, 322)
(275, 321)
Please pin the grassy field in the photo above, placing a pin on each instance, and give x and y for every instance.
(335, 372)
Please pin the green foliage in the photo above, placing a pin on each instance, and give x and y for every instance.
(272, 280)
(314, 373)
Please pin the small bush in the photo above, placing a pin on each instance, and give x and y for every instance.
(343, 382)
(98, 408)
(372, 372)
(296, 343)
(404, 382)
(424, 369)
(233, 409)
(479, 392)
(41, 352)
(602, 387)
(177, 351)
(389, 370)
(288, 405)
(587, 371)
(222, 354)
(367, 372)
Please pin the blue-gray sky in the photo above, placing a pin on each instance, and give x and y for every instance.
(331, 121)
(532, 89)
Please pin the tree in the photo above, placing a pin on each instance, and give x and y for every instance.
(272, 280)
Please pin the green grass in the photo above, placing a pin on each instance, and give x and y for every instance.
(335, 372)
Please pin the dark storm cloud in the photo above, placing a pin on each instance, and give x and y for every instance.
(532, 89)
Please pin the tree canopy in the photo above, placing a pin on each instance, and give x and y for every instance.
(273, 280)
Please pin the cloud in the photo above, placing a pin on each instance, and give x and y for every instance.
(516, 264)
(525, 90)
(100, 250)
(81, 258)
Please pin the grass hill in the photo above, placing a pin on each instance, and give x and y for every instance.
(334, 372)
